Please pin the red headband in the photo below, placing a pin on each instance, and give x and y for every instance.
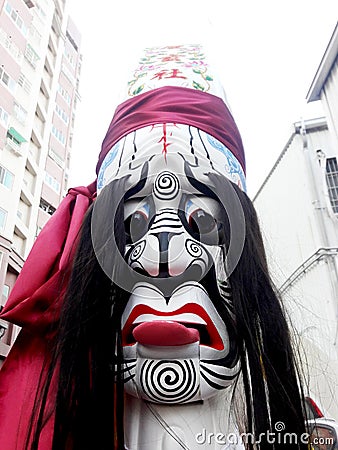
(172, 104)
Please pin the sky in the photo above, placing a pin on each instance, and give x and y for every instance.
(265, 53)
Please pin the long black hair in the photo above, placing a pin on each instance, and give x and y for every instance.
(87, 353)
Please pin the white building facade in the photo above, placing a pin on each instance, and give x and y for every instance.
(298, 210)
(39, 75)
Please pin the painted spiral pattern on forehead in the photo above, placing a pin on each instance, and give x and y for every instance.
(169, 381)
(166, 186)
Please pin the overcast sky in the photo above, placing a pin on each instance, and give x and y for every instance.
(266, 54)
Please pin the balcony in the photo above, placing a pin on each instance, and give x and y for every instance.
(39, 125)
(54, 37)
(14, 141)
(26, 195)
(34, 153)
(51, 59)
(33, 156)
(36, 138)
(23, 215)
(20, 238)
(43, 102)
(29, 182)
(47, 79)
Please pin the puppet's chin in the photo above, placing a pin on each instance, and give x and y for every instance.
(166, 374)
(174, 374)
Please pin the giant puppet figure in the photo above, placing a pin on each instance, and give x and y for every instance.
(148, 318)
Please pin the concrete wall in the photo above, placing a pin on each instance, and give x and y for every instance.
(301, 239)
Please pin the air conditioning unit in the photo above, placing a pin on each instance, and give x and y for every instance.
(14, 147)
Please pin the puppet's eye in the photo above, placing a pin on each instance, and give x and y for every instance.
(201, 222)
(203, 226)
(136, 226)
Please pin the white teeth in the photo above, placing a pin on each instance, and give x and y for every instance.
(183, 318)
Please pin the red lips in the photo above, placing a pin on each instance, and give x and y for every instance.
(167, 332)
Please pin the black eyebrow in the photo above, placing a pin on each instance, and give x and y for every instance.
(140, 184)
(203, 188)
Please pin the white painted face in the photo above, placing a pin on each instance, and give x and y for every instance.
(161, 143)
(177, 348)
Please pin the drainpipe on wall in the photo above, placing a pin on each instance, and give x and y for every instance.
(319, 208)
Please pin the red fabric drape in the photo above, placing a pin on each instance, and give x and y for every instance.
(172, 104)
(34, 304)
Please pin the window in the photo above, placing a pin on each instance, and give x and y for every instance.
(59, 135)
(57, 158)
(24, 83)
(16, 18)
(34, 34)
(31, 56)
(38, 9)
(70, 57)
(47, 207)
(5, 295)
(20, 113)
(61, 113)
(71, 40)
(29, 3)
(4, 116)
(332, 182)
(5, 291)
(52, 182)
(75, 102)
(64, 94)
(3, 216)
(68, 74)
(7, 80)
(38, 231)
(8, 43)
(6, 177)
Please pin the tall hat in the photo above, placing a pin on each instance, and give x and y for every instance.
(173, 86)
(174, 97)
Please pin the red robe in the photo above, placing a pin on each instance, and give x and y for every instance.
(34, 304)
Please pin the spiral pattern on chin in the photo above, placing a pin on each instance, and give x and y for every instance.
(168, 381)
(166, 186)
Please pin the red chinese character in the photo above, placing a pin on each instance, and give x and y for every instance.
(173, 73)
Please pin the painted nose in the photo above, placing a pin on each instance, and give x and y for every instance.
(178, 252)
(167, 250)
(163, 241)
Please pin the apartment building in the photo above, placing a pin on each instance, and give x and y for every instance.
(40, 63)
